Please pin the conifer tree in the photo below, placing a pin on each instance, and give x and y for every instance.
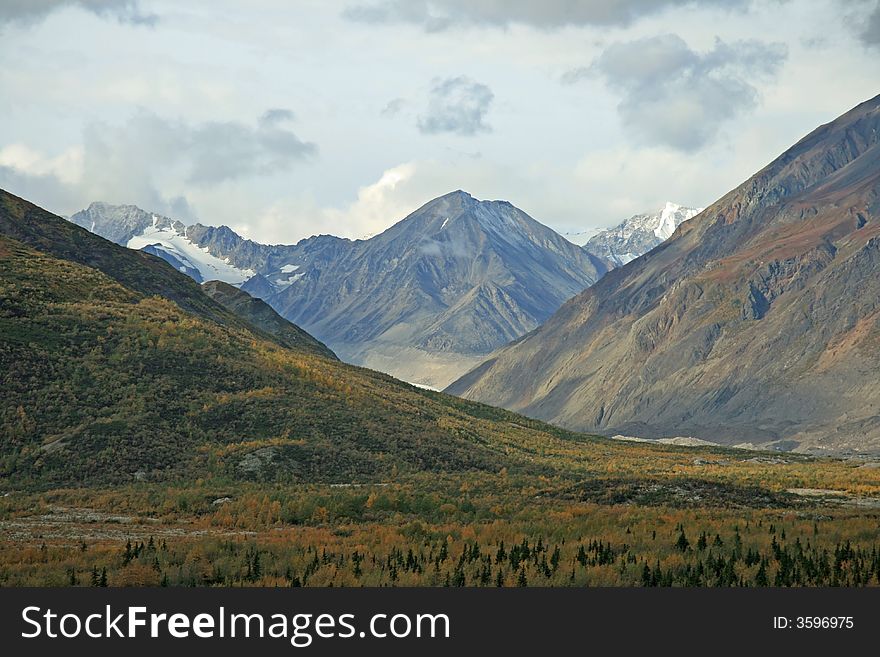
(682, 543)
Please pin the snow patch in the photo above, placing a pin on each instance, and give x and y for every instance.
(282, 283)
(671, 216)
(209, 266)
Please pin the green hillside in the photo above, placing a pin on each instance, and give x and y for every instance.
(104, 384)
(261, 315)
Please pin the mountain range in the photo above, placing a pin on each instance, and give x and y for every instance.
(118, 368)
(758, 321)
(425, 301)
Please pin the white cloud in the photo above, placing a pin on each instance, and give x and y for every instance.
(67, 167)
(155, 163)
(399, 191)
(377, 206)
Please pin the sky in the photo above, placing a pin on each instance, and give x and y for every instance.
(284, 120)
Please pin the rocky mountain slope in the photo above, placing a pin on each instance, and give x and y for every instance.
(639, 234)
(425, 300)
(758, 321)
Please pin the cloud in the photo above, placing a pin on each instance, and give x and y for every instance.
(33, 11)
(276, 115)
(51, 181)
(600, 190)
(202, 153)
(870, 34)
(439, 15)
(393, 107)
(66, 167)
(44, 189)
(377, 206)
(621, 182)
(150, 160)
(674, 96)
(458, 106)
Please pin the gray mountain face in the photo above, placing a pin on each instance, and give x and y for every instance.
(639, 234)
(117, 223)
(757, 322)
(429, 297)
(425, 301)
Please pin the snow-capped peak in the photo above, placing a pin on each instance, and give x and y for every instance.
(671, 216)
(640, 233)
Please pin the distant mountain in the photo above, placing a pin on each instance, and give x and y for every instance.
(758, 321)
(425, 300)
(130, 226)
(638, 234)
(117, 223)
(429, 297)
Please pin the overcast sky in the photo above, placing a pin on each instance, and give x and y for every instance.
(286, 119)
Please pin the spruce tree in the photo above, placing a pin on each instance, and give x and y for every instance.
(646, 575)
(682, 543)
(702, 542)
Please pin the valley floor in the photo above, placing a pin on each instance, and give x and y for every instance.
(810, 523)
